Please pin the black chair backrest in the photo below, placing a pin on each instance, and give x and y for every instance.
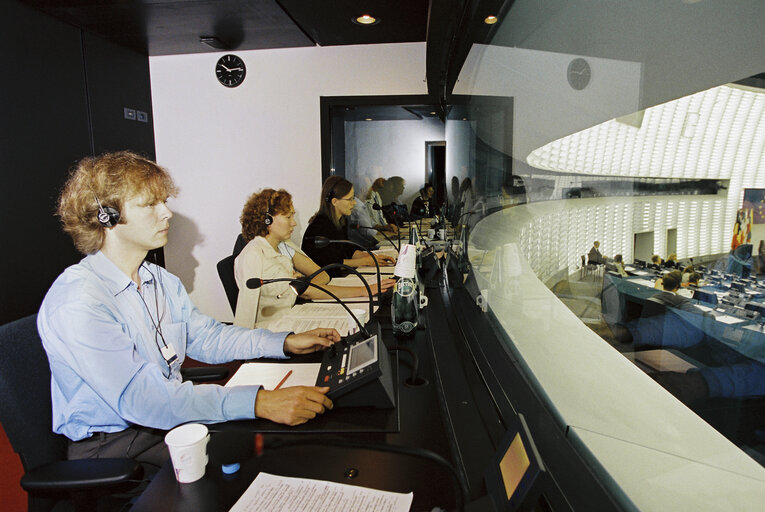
(25, 401)
(226, 274)
(238, 245)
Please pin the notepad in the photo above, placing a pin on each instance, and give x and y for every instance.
(272, 493)
(269, 375)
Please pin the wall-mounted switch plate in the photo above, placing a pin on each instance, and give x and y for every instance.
(142, 116)
(129, 113)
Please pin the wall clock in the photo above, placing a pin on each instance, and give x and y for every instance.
(579, 73)
(230, 70)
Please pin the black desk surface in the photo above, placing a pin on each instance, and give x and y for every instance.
(366, 437)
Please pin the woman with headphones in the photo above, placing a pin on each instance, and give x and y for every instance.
(337, 201)
(268, 219)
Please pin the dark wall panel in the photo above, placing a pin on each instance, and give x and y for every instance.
(117, 78)
(44, 129)
(63, 95)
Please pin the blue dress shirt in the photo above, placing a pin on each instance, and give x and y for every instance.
(104, 338)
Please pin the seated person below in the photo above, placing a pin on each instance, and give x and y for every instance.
(268, 219)
(117, 328)
(671, 261)
(594, 257)
(619, 265)
(656, 262)
(330, 221)
(422, 206)
(670, 284)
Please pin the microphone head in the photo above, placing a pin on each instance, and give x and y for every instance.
(320, 241)
(254, 283)
(299, 286)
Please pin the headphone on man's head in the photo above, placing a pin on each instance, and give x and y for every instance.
(107, 216)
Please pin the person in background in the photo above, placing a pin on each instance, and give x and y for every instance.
(361, 227)
(330, 221)
(373, 198)
(594, 257)
(117, 329)
(619, 264)
(268, 220)
(656, 261)
(671, 261)
(421, 206)
(374, 205)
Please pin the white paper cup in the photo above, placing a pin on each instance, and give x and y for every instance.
(442, 234)
(361, 314)
(188, 451)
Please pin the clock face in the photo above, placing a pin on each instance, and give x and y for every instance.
(579, 74)
(230, 70)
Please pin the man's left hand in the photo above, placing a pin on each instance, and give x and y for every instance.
(310, 341)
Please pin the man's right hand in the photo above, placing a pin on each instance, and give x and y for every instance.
(292, 405)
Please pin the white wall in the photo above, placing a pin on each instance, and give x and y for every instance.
(220, 144)
(381, 149)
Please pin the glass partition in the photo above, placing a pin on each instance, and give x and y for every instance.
(613, 153)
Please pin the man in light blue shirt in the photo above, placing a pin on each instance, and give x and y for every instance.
(117, 329)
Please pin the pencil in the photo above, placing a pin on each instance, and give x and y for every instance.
(284, 379)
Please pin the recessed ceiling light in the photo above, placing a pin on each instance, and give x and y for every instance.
(490, 20)
(366, 19)
(368, 119)
(432, 113)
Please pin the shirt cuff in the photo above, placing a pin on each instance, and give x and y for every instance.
(239, 403)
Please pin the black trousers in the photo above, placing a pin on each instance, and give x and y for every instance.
(143, 445)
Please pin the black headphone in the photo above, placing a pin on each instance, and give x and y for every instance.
(269, 219)
(107, 216)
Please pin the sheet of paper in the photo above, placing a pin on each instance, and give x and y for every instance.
(643, 282)
(300, 324)
(272, 493)
(387, 251)
(728, 319)
(353, 280)
(269, 375)
(372, 270)
(323, 310)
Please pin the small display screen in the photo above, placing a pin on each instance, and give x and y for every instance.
(513, 465)
(362, 354)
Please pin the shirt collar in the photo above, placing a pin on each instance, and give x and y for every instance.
(114, 278)
(261, 242)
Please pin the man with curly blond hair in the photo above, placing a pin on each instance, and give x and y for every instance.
(117, 328)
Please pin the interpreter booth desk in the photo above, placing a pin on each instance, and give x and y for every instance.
(345, 445)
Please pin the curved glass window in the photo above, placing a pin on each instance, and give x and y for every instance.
(584, 141)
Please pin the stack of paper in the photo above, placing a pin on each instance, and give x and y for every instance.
(312, 315)
(271, 493)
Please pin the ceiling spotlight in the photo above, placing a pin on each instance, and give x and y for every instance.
(490, 20)
(367, 119)
(366, 19)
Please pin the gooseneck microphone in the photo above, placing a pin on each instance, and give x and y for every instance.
(299, 286)
(359, 226)
(323, 241)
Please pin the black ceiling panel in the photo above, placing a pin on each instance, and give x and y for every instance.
(158, 27)
(329, 22)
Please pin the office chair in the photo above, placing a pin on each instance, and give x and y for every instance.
(25, 412)
(226, 274)
(238, 245)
